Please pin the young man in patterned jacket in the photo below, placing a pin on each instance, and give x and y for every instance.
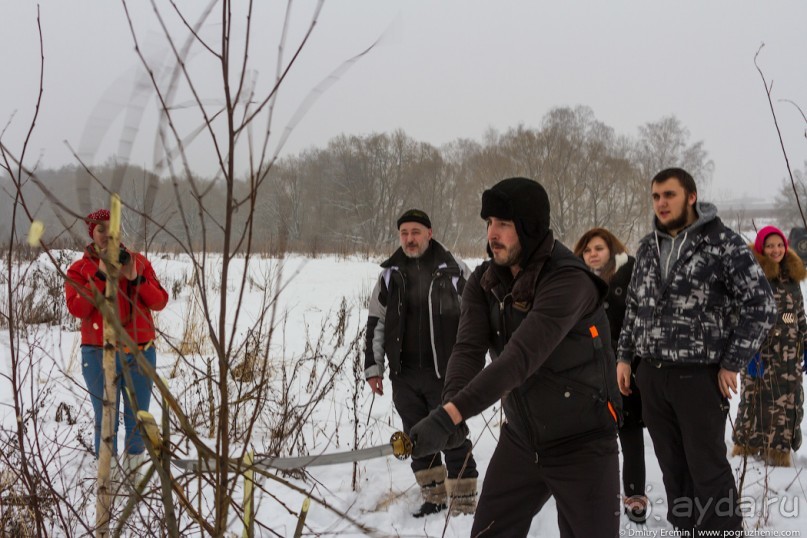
(698, 308)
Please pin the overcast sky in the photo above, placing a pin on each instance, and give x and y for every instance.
(442, 71)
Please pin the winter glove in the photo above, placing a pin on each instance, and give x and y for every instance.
(436, 433)
(756, 368)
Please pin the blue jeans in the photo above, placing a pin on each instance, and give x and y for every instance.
(92, 368)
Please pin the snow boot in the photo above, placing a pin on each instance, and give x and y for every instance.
(432, 484)
(117, 475)
(743, 450)
(777, 458)
(636, 508)
(133, 467)
(119, 480)
(461, 495)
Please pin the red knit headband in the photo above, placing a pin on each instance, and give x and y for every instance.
(94, 218)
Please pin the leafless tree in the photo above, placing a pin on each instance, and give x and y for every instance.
(789, 211)
(218, 213)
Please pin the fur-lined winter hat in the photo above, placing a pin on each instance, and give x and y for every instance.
(762, 235)
(93, 219)
(525, 202)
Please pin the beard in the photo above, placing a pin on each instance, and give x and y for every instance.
(678, 223)
(417, 252)
(509, 257)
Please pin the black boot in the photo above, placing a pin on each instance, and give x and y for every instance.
(427, 509)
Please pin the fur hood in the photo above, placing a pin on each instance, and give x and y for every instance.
(795, 267)
(620, 260)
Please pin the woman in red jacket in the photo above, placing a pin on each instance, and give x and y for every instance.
(139, 293)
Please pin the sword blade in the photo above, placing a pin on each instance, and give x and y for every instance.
(297, 462)
(399, 446)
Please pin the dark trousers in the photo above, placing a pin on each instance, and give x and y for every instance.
(415, 392)
(583, 478)
(685, 414)
(631, 439)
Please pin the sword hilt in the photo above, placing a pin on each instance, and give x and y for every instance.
(401, 445)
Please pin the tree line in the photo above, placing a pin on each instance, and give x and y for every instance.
(345, 197)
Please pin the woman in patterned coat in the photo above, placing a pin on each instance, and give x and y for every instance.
(769, 416)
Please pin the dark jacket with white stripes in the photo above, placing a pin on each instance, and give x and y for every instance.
(402, 287)
(697, 298)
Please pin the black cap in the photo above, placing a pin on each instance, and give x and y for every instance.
(415, 215)
(525, 202)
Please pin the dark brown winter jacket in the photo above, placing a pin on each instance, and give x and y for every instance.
(553, 381)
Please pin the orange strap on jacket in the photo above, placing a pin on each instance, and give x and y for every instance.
(612, 411)
(595, 335)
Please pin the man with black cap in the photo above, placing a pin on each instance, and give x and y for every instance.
(413, 319)
(537, 309)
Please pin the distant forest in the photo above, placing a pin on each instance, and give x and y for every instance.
(344, 198)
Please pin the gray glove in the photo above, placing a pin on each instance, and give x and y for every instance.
(436, 433)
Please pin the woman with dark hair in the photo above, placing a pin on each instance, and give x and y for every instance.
(139, 294)
(607, 257)
(769, 416)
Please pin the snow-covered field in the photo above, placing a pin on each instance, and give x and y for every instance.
(386, 494)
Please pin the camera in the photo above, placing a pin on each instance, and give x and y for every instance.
(124, 256)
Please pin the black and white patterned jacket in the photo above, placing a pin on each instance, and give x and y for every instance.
(715, 305)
